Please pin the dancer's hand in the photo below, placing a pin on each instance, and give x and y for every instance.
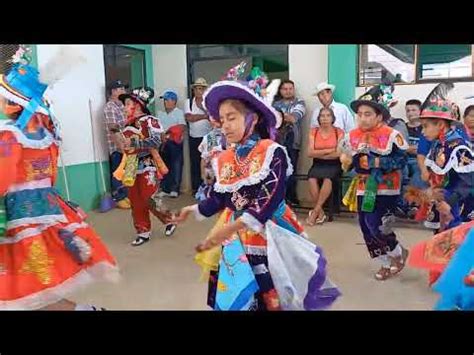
(183, 215)
(216, 238)
(206, 245)
(220, 235)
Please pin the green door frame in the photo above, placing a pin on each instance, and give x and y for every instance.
(149, 78)
(148, 61)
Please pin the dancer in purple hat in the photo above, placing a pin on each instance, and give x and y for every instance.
(266, 261)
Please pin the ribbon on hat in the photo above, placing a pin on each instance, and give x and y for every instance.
(236, 72)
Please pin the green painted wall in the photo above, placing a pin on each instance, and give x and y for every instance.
(85, 185)
(150, 81)
(342, 71)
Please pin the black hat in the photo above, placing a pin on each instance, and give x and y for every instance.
(117, 84)
(378, 97)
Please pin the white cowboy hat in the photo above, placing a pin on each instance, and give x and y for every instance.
(200, 82)
(324, 86)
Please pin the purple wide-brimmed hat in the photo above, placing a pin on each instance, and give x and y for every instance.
(235, 90)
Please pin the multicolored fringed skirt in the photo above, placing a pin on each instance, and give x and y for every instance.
(277, 269)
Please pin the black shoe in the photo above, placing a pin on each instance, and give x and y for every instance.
(140, 240)
(412, 212)
(169, 229)
(94, 308)
(400, 213)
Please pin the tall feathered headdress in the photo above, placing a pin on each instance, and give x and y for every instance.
(25, 86)
(440, 103)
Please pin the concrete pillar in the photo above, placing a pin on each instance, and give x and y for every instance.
(170, 71)
(308, 66)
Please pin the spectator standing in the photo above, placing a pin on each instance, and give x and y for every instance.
(173, 124)
(114, 119)
(344, 118)
(198, 118)
(293, 111)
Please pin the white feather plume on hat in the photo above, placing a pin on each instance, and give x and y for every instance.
(271, 91)
(67, 58)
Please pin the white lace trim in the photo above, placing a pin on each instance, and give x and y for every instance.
(251, 222)
(388, 150)
(453, 163)
(31, 185)
(198, 215)
(253, 250)
(31, 232)
(147, 169)
(260, 269)
(255, 178)
(18, 100)
(46, 142)
(381, 192)
(50, 220)
(103, 271)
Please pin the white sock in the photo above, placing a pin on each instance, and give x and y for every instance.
(384, 260)
(397, 252)
(83, 307)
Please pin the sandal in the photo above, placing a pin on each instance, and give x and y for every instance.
(321, 219)
(311, 218)
(399, 263)
(140, 240)
(383, 274)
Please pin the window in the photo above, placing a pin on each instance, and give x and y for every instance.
(213, 61)
(6, 53)
(389, 61)
(409, 63)
(444, 61)
(125, 64)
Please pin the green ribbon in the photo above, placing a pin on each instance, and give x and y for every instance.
(370, 195)
(3, 217)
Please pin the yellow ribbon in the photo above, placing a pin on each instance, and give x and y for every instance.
(208, 260)
(350, 198)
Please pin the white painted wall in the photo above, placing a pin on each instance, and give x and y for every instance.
(308, 66)
(404, 93)
(70, 98)
(170, 71)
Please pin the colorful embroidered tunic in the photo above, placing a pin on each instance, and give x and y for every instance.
(250, 184)
(386, 144)
(451, 164)
(48, 250)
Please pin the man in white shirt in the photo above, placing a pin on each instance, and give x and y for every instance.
(173, 124)
(344, 118)
(199, 126)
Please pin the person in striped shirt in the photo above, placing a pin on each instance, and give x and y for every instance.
(293, 111)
